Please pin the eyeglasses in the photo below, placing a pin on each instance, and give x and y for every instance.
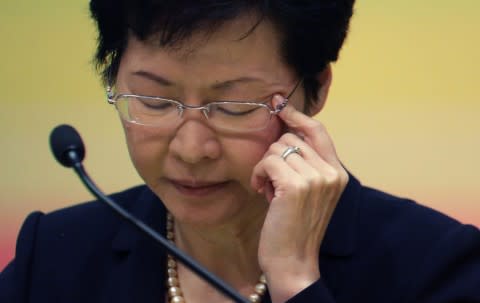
(166, 113)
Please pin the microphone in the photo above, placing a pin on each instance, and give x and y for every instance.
(67, 147)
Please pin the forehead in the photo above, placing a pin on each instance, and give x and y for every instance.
(240, 32)
(234, 50)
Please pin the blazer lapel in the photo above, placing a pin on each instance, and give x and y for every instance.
(340, 235)
(138, 273)
(340, 239)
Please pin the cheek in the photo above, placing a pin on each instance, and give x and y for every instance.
(147, 149)
(248, 152)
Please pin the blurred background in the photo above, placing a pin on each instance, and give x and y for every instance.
(403, 110)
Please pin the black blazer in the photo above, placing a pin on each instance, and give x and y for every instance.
(378, 248)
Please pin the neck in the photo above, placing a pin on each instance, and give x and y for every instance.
(229, 251)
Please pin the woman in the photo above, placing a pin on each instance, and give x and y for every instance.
(216, 101)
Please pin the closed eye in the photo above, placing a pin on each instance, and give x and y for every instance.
(155, 104)
(236, 109)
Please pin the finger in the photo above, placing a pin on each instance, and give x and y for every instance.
(279, 147)
(309, 175)
(275, 170)
(306, 156)
(318, 161)
(306, 150)
(306, 153)
(293, 118)
(306, 163)
(262, 184)
(312, 131)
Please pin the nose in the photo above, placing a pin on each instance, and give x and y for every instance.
(204, 109)
(194, 140)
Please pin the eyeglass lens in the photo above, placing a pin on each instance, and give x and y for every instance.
(225, 115)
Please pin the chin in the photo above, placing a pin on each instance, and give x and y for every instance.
(214, 211)
(204, 216)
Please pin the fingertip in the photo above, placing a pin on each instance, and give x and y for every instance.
(269, 191)
(257, 183)
(281, 103)
(286, 109)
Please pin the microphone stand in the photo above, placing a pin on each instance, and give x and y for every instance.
(172, 249)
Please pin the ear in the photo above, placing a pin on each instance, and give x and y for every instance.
(324, 79)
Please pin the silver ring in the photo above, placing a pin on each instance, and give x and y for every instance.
(290, 150)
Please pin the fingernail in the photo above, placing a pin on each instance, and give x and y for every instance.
(279, 102)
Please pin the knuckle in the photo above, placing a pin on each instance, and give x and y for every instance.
(314, 125)
(270, 160)
(313, 178)
(334, 176)
(330, 178)
(318, 180)
(337, 179)
(301, 185)
(276, 147)
(288, 138)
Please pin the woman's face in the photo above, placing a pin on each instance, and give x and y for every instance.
(203, 174)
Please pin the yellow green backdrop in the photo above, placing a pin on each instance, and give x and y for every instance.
(403, 110)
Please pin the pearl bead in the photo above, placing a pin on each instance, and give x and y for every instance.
(260, 288)
(254, 298)
(172, 263)
(172, 272)
(170, 235)
(177, 299)
(172, 281)
(174, 291)
(263, 279)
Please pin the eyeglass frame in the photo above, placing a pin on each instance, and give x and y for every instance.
(112, 99)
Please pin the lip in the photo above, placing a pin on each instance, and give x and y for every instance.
(198, 188)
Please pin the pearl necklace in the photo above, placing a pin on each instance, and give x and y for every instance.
(175, 294)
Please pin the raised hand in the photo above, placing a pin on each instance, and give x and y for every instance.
(303, 190)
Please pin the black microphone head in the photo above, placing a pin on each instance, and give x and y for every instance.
(63, 140)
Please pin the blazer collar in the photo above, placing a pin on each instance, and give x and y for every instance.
(147, 208)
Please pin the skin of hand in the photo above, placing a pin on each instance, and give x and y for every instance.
(303, 191)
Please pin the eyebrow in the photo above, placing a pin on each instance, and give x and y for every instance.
(218, 86)
(156, 78)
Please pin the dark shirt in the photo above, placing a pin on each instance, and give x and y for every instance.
(378, 248)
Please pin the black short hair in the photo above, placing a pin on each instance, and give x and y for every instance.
(312, 31)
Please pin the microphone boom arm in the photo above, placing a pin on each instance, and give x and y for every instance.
(172, 249)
